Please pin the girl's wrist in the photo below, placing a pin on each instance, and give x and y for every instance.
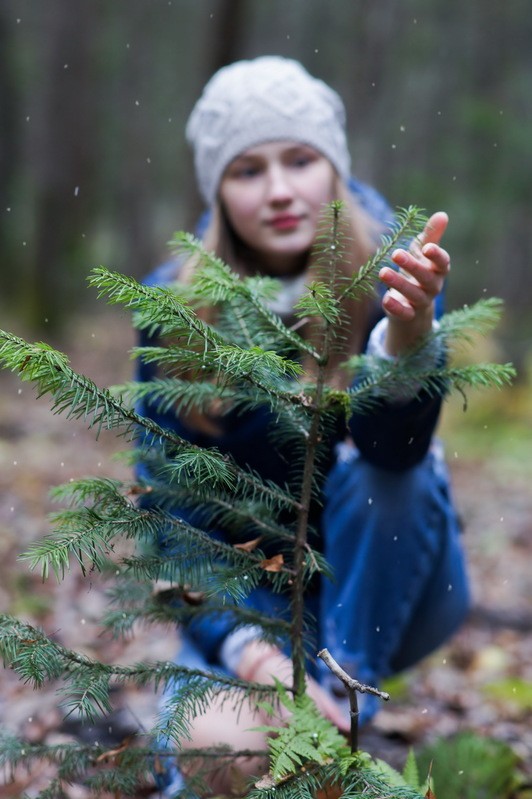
(403, 335)
(254, 656)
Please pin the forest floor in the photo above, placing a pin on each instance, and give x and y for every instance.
(481, 680)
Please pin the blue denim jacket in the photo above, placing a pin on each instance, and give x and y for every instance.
(394, 438)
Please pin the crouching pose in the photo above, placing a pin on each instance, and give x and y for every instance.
(270, 152)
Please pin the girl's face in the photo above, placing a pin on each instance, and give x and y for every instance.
(273, 195)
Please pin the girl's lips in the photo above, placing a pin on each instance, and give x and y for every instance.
(284, 222)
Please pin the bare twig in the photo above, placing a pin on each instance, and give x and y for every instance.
(353, 686)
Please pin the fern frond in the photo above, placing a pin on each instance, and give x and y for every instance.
(307, 737)
(411, 772)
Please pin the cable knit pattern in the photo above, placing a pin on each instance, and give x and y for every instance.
(268, 99)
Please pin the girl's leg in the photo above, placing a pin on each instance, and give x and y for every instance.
(392, 539)
(222, 723)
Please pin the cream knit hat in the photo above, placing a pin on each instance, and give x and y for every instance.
(268, 99)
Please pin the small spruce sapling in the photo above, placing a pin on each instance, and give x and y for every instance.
(248, 359)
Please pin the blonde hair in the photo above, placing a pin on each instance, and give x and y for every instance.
(362, 233)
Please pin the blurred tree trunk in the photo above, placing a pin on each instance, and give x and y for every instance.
(9, 148)
(224, 42)
(134, 182)
(63, 151)
(226, 34)
(438, 102)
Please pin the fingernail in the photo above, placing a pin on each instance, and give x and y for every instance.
(399, 257)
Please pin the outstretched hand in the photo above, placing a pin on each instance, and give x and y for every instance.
(409, 301)
(261, 662)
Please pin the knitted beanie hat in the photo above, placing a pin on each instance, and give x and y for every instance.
(267, 99)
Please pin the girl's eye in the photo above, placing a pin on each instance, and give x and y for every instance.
(245, 171)
(302, 159)
(249, 172)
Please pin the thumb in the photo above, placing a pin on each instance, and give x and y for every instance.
(434, 229)
(332, 710)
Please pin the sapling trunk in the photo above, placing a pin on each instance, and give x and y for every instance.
(301, 540)
(300, 547)
(310, 753)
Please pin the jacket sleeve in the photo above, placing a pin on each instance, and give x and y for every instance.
(209, 631)
(395, 435)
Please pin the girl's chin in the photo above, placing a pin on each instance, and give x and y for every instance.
(280, 264)
(289, 247)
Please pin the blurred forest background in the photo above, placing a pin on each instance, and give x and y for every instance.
(94, 167)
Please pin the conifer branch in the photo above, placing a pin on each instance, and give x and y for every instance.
(87, 533)
(221, 284)
(250, 360)
(233, 513)
(465, 324)
(173, 394)
(38, 660)
(173, 606)
(156, 309)
(385, 379)
(48, 369)
(408, 223)
(379, 378)
(175, 317)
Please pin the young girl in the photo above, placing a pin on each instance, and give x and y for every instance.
(270, 152)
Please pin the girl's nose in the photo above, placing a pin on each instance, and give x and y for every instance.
(279, 188)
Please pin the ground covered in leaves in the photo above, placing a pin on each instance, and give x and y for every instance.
(481, 681)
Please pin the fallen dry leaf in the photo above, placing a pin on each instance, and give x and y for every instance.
(249, 546)
(274, 564)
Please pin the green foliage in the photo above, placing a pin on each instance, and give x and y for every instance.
(247, 360)
(409, 777)
(469, 766)
(120, 770)
(513, 691)
(245, 299)
(307, 737)
(409, 222)
(351, 777)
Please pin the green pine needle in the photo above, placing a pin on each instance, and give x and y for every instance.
(248, 360)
